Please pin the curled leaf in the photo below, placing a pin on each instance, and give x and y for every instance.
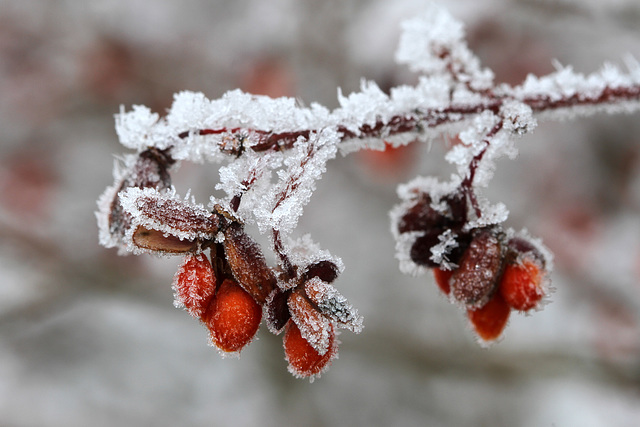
(157, 241)
(277, 311)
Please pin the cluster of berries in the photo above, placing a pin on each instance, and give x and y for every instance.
(232, 292)
(485, 269)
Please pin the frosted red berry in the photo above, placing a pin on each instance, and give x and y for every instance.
(522, 285)
(194, 284)
(443, 278)
(490, 320)
(233, 318)
(304, 360)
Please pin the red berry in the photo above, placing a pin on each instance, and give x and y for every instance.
(522, 285)
(304, 360)
(233, 317)
(490, 320)
(194, 284)
(442, 279)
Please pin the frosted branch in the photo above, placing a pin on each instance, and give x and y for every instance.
(447, 227)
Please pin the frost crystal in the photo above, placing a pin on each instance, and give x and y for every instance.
(439, 252)
(433, 44)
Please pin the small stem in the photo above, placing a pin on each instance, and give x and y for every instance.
(467, 183)
(285, 262)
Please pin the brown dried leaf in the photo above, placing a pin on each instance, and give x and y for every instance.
(314, 327)
(155, 240)
(177, 215)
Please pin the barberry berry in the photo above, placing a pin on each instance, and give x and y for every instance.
(443, 278)
(233, 317)
(303, 359)
(490, 320)
(522, 285)
(194, 284)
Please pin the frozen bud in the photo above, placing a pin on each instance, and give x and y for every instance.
(233, 317)
(194, 284)
(334, 305)
(475, 280)
(420, 252)
(304, 360)
(151, 170)
(277, 311)
(450, 211)
(247, 263)
(324, 270)
(420, 216)
(490, 320)
(314, 327)
(519, 247)
(455, 209)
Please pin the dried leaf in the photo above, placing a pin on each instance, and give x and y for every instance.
(334, 305)
(247, 263)
(158, 241)
(314, 327)
(277, 310)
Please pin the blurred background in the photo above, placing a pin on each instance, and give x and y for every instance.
(88, 337)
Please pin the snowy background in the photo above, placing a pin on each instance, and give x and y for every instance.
(91, 338)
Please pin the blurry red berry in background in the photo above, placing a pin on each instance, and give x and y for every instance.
(270, 76)
(390, 163)
(27, 183)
